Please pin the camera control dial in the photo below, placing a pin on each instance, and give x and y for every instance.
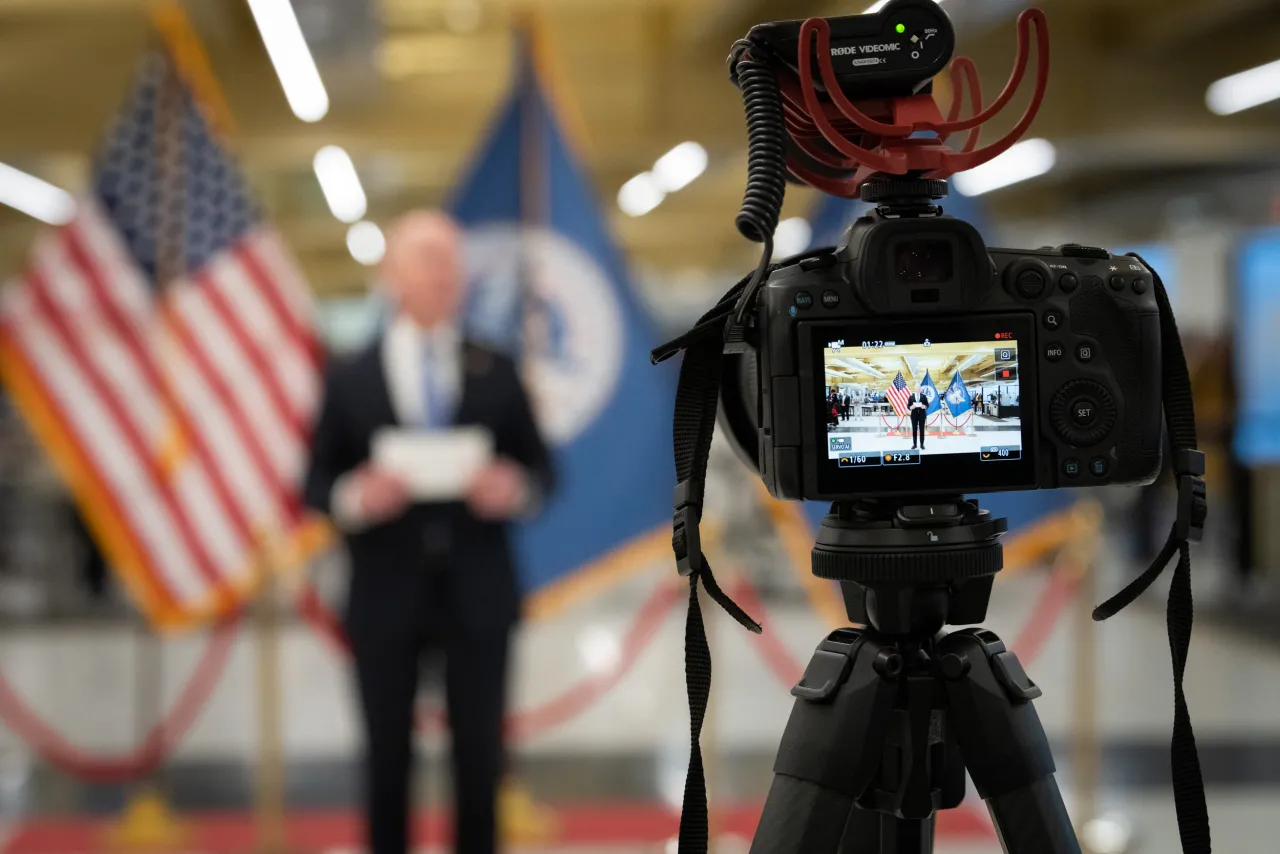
(1083, 413)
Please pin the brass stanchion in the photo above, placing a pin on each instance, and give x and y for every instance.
(269, 781)
(1086, 745)
(147, 823)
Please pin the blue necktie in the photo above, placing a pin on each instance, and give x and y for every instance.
(434, 399)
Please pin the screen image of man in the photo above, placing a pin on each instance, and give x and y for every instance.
(918, 403)
(430, 578)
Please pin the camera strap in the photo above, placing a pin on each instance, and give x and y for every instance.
(1188, 527)
(697, 397)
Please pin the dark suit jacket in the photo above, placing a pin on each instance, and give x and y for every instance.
(912, 401)
(437, 562)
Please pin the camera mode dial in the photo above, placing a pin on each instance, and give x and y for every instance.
(1083, 413)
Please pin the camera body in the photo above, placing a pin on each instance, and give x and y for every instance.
(1051, 361)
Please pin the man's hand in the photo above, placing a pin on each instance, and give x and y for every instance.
(377, 494)
(499, 491)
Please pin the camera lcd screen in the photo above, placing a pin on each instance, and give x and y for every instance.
(924, 262)
(926, 406)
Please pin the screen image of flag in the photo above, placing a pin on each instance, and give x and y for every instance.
(898, 394)
(958, 399)
(548, 284)
(161, 348)
(930, 391)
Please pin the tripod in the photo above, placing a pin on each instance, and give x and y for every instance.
(888, 717)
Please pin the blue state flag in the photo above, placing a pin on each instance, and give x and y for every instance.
(929, 390)
(548, 284)
(958, 399)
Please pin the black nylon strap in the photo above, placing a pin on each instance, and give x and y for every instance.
(697, 396)
(1188, 466)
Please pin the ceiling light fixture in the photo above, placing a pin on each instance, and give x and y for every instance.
(680, 166)
(296, 68)
(1245, 90)
(1024, 161)
(640, 195)
(366, 243)
(340, 183)
(791, 237)
(35, 196)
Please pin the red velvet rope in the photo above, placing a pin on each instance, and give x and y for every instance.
(52, 747)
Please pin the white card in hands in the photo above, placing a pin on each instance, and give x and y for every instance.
(436, 465)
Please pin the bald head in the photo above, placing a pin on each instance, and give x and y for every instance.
(423, 266)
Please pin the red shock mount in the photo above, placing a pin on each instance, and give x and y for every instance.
(840, 143)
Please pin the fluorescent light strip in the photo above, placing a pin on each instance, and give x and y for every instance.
(1024, 161)
(1245, 90)
(340, 183)
(880, 4)
(35, 197)
(366, 243)
(282, 36)
(791, 237)
(640, 195)
(680, 166)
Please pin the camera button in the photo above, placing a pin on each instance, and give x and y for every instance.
(1084, 412)
(1053, 320)
(1053, 351)
(1117, 283)
(1084, 353)
(1031, 284)
(830, 299)
(804, 299)
(1068, 283)
(1139, 285)
(1071, 467)
(819, 263)
(1099, 466)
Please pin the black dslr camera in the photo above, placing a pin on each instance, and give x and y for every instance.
(1020, 369)
(892, 375)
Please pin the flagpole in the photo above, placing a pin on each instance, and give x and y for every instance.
(192, 67)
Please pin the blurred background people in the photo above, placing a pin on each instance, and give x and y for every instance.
(428, 579)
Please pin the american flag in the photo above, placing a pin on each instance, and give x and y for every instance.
(898, 394)
(161, 345)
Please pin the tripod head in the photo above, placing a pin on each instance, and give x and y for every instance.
(911, 566)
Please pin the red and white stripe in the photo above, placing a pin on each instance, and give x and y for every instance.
(899, 398)
(195, 410)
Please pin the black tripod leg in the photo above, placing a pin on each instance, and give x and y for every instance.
(1003, 743)
(831, 748)
(880, 833)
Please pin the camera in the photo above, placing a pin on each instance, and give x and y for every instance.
(891, 375)
(1028, 368)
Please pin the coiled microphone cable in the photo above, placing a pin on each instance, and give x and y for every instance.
(766, 162)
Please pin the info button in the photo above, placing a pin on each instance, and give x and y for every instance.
(1054, 351)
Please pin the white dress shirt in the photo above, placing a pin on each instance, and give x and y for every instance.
(408, 351)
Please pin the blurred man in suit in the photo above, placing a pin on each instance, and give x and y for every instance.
(919, 405)
(428, 578)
